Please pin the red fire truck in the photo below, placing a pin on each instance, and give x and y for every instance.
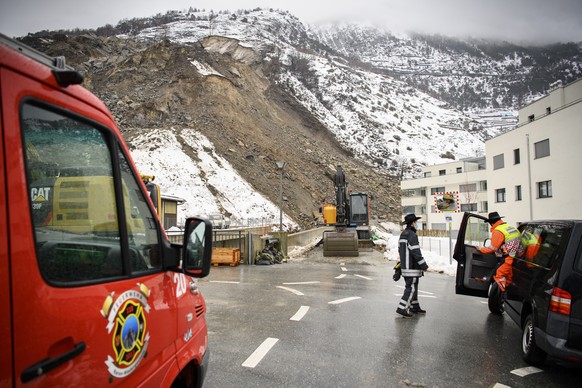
(91, 291)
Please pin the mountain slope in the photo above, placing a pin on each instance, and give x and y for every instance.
(250, 88)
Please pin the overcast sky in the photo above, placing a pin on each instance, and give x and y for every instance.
(532, 21)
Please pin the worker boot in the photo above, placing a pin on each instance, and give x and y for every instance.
(417, 310)
(404, 313)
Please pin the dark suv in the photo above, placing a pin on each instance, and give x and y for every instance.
(545, 296)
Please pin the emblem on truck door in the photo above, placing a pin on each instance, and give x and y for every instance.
(126, 322)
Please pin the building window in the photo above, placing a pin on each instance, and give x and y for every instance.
(542, 149)
(498, 162)
(408, 209)
(409, 193)
(484, 206)
(516, 156)
(544, 189)
(442, 172)
(459, 170)
(531, 118)
(423, 192)
(548, 110)
(468, 188)
(469, 207)
(483, 186)
(500, 195)
(435, 190)
(518, 193)
(427, 174)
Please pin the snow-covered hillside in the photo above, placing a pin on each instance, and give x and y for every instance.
(208, 183)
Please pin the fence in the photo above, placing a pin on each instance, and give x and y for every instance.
(442, 246)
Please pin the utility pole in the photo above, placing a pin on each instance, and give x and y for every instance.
(280, 167)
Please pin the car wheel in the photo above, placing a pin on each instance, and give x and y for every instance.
(495, 300)
(532, 354)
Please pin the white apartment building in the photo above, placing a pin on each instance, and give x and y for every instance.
(535, 170)
(532, 172)
(446, 191)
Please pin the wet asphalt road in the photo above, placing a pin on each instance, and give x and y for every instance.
(357, 340)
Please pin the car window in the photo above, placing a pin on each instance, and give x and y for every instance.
(477, 231)
(73, 201)
(545, 241)
(141, 224)
(578, 262)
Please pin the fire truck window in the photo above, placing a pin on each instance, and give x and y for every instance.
(72, 198)
(141, 223)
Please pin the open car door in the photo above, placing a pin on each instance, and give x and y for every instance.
(475, 270)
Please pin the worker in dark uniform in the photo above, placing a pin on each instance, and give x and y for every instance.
(412, 265)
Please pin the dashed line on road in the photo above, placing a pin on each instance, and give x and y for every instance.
(528, 370)
(341, 276)
(344, 300)
(260, 352)
(344, 269)
(423, 296)
(312, 282)
(363, 277)
(499, 385)
(423, 292)
(224, 281)
(300, 313)
(296, 292)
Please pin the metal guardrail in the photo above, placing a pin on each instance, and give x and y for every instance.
(249, 240)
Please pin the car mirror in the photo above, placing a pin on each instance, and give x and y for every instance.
(487, 242)
(197, 247)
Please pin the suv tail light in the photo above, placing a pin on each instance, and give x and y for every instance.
(560, 301)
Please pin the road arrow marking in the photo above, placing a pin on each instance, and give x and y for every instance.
(341, 276)
(363, 277)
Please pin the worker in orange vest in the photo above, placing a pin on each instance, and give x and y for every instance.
(505, 243)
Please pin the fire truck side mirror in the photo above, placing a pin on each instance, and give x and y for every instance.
(197, 247)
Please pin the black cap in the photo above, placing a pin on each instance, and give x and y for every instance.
(410, 218)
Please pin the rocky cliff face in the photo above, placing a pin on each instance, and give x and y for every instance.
(221, 89)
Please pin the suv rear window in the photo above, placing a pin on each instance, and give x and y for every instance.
(542, 243)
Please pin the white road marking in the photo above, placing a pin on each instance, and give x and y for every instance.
(342, 263)
(300, 313)
(260, 352)
(341, 276)
(313, 282)
(423, 296)
(344, 300)
(528, 370)
(344, 269)
(423, 292)
(291, 290)
(499, 385)
(223, 281)
(363, 277)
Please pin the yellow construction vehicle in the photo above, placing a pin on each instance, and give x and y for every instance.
(351, 218)
(154, 192)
